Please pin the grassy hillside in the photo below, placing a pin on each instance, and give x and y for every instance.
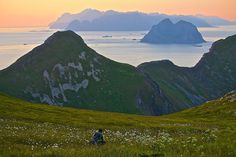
(212, 77)
(28, 129)
(65, 71)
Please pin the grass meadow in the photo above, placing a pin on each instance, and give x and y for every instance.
(37, 130)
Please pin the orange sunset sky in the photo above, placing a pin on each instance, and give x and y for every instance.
(18, 13)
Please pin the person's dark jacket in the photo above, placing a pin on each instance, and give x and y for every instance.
(98, 138)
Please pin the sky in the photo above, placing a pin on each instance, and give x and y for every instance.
(20, 13)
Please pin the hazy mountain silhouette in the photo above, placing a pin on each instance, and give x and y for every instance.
(216, 21)
(86, 15)
(94, 20)
(167, 32)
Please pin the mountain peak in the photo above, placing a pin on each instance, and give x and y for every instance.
(63, 35)
(88, 10)
(182, 22)
(166, 32)
(166, 21)
(65, 71)
(59, 46)
(66, 14)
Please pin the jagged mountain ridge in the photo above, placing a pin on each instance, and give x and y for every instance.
(95, 20)
(86, 15)
(92, 20)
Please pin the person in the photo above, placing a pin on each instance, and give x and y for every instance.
(98, 138)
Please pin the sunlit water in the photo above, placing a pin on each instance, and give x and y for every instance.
(120, 46)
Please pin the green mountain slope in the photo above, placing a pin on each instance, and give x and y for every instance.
(223, 108)
(28, 129)
(65, 71)
(212, 77)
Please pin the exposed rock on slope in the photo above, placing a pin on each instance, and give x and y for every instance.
(65, 71)
(168, 33)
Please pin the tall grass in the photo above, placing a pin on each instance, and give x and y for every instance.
(28, 129)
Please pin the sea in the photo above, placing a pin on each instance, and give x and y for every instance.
(124, 47)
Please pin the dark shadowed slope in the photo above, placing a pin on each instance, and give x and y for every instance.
(213, 76)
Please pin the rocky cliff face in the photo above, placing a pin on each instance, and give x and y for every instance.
(168, 33)
(212, 77)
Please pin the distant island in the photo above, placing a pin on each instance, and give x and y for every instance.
(166, 32)
(95, 20)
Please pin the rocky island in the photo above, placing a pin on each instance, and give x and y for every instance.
(167, 32)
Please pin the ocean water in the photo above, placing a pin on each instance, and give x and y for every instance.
(119, 46)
